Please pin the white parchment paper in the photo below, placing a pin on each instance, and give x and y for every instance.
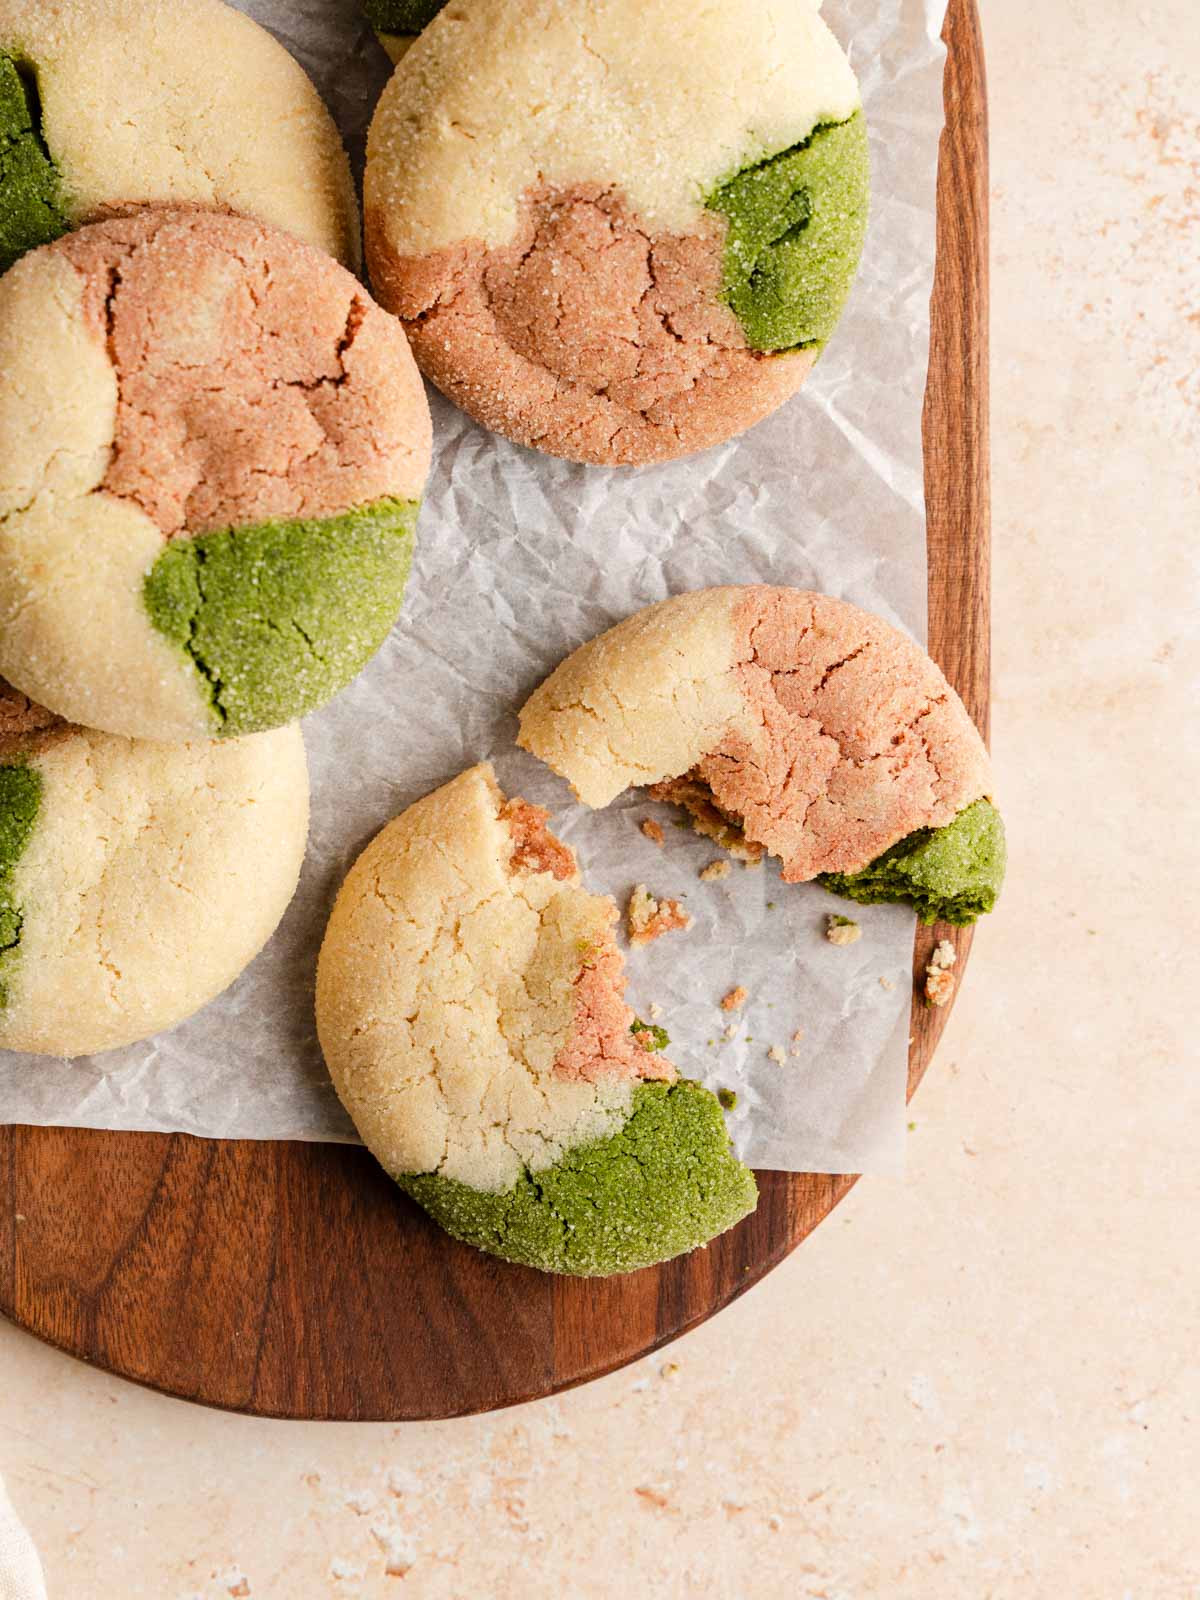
(521, 558)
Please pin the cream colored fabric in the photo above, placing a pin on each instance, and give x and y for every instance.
(663, 98)
(445, 993)
(153, 875)
(183, 100)
(642, 702)
(73, 563)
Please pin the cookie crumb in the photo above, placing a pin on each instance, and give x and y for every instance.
(886, 983)
(715, 870)
(728, 1099)
(939, 979)
(653, 831)
(650, 1037)
(735, 999)
(777, 1053)
(670, 1370)
(648, 919)
(656, 1011)
(730, 1032)
(842, 930)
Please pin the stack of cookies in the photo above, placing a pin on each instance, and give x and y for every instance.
(610, 231)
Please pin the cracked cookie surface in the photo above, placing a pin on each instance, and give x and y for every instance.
(136, 879)
(214, 454)
(470, 1005)
(626, 236)
(137, 102)
(798, 723)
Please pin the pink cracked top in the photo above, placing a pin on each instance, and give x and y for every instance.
(256, 377)
(587, 336)
(856, 739)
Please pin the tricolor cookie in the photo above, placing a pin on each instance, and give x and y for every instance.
(212, 449)
(110, 104)
(618, 230)
(470, 1004)
(397, 22)
(136, 879)
(791, 723)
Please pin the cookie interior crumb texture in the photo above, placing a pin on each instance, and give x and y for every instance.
(791, 722)
(211, 461)
(649, 919)
(470, 1003)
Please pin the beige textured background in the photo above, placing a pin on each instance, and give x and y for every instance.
(983, 1383)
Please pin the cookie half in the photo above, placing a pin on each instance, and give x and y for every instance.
(470, 1004)
(212, 450)
(622, 232)
(110, 104)
(788, 723)
(136, 880)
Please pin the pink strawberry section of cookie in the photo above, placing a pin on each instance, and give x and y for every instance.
(858, 739)
(256, 378)
(587, 337)
(600, 1045)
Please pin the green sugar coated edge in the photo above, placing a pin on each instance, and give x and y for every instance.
(277, 617)
(667, 1182)
(32, 206)
(20, 802)
(797, 222)
(401, 16)
(952, 874)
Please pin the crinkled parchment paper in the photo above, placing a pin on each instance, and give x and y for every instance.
(520, 558)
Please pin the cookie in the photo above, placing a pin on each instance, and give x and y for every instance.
(212, 448)
(620, 232)
(788, 722)
(397, 22)
(470, 1004)
(110, 104)
(136, 880)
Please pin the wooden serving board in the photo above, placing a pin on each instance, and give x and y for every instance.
(293, 1280)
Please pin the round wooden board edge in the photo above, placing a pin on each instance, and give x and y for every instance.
(956, 462)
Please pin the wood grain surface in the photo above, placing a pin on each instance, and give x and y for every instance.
(293, 1280)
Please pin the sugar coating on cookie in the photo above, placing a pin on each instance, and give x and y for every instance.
(211, 460)
(136, 879)
(619, 233)
(790, 722)
(110, 104)
(470, 1004)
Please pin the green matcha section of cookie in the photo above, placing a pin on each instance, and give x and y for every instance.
(401, 16)
(951, 874)
(796, 227)
(667, 1182)
(32, 208)
(20, 800)
(277, 617)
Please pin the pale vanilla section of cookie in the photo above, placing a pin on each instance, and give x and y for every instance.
(110, 104)
(794, 723)
(663, 97)
(470, 1005)
(137, 880)
(212, 454)
(619, 232)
